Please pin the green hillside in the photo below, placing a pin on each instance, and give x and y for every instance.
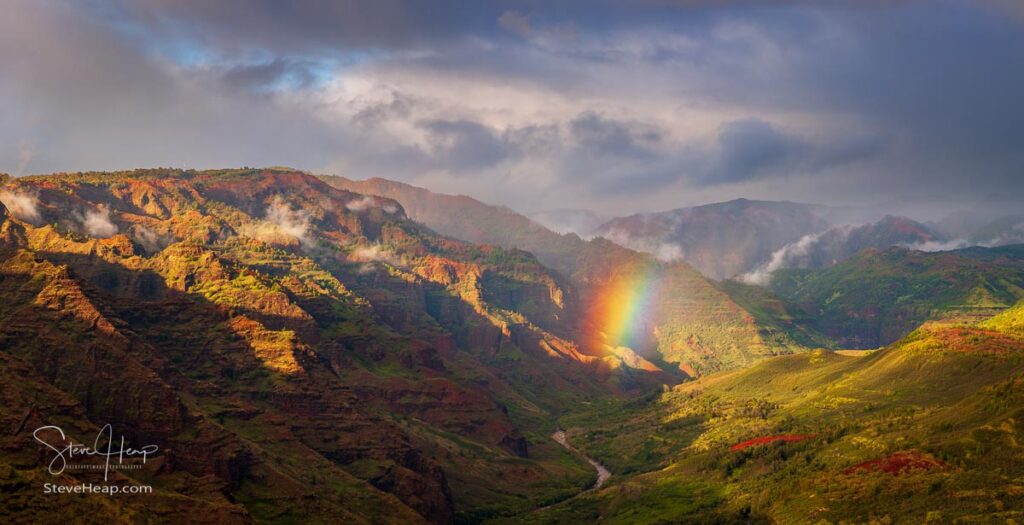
(686, 323)
(878, 296)
(925, 430)
(284, 342)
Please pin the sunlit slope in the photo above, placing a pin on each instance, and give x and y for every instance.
(927, 429)
(286, 342)
(878, 296)
(630, 303)
(1011, 320)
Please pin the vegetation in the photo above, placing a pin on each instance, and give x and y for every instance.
(878, 296)
(303, 353)
(922, 430)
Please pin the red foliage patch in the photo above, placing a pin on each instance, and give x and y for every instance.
(975, 340)
(898, 463)
(763, 440)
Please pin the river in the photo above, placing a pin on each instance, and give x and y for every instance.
(602, 473)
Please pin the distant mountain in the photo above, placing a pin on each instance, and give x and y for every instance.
(838, 243)
(581, 222)
(308, 352)
(1002, 231)
(470, 220)
(878, 296)
(678, 316)
(720, 240)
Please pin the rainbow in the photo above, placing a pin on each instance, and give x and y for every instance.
(620, 310)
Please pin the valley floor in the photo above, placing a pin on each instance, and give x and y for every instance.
(603, 474)
(927, 430)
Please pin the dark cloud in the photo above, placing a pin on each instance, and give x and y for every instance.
(86, 99)
(752, 148)
(301, 26)
(624, 105)
(465, 145)
(275, 74)
(601, 136)
(748, 148)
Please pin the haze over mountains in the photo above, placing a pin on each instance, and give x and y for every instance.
(743, 239)
(751, 239)
(306, 348)
(449, 262)
(879, 280)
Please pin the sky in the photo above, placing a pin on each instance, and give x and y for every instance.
(615, 106)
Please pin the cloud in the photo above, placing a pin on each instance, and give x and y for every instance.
(294, 222)
(752, 148)
(663, 251)
(97, 223)
(515, 22)
(938, 246)
(81, 66)
(749, 147)
(546, 35)
(789, 256)
(598, 135)
(282, 225)
(150, 240)
(367, 202)
(375, 253)
(613, 106)
(23, 206)
(581, 222)
(275, 74)
(465, 145)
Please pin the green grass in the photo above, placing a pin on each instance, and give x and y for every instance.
(878, 296)
(950, 392)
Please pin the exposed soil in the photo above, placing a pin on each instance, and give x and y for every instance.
(898, 463)
(764, 440)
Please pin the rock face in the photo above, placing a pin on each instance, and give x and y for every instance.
(295, 350)
(12, 235)
(684, 320)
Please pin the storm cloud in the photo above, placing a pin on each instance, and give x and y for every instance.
(612, 106)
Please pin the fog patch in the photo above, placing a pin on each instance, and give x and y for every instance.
(97, 223)
(151, 241)
(375, 253)
(939, 246)
(792, 255)
(289, 221)
(23, 206)
(282, 225)
(663, 251)
(581, 222)
(367, 202)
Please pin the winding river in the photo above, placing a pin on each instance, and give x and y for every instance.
(602, 473)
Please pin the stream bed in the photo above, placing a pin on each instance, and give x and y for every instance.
(602, 473)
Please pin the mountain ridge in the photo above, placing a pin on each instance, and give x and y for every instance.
(692, 324)
(270, 304)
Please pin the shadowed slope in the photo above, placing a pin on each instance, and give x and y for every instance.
(679, 317)
(320, 335)
(926, 429)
